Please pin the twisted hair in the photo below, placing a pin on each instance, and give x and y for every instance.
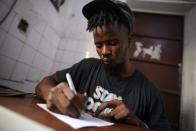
(105, 17)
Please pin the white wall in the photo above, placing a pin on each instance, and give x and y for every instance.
(54, 41)
(77, 43)
(24, 57)
(188, 98)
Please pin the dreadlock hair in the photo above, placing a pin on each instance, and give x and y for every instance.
(105, 17)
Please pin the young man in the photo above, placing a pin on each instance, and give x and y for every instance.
(110, 86)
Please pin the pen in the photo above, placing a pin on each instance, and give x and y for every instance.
(70, 83)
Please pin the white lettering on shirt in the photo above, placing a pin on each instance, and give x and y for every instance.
(99, 96)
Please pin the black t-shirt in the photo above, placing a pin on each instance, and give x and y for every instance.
(136, 91)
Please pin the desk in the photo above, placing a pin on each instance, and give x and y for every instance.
(26, 105)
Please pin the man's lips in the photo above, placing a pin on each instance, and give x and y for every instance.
(106, 60)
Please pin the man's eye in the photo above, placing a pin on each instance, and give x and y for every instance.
(98, 45)
(113, 42)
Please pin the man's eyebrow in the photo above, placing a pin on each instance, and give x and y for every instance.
(97, 42)
(113, 39)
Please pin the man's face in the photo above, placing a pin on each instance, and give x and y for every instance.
(112, 42)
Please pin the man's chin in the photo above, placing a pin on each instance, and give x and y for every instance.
(106, 62)
(107, 65)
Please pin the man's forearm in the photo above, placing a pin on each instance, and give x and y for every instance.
(43, 88)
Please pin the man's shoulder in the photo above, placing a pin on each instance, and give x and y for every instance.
(147, 84)
(90, 62)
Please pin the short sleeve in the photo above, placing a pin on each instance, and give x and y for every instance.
(79, 71)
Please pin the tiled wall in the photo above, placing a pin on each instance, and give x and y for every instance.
(77, 43)
(54, 41)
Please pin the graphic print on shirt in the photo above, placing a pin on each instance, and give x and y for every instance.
(100, 95)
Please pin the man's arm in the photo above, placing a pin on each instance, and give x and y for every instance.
(59, 95)
(43, 88)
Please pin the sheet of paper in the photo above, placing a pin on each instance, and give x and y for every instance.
(85, 120)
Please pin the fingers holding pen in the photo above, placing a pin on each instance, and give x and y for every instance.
(76, 103)
(65, 100)
(56, 98)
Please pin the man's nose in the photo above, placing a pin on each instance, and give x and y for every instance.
(106, 50)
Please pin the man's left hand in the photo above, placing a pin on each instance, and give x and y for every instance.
(120, 112)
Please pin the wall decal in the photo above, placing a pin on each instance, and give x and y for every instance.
(138, 49)
(153, 51)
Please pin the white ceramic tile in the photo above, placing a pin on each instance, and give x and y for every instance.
(25, 86)
(44, 47)
(52, 36)
(84, 46)
(59, 56)
(43, 74)
(93, 55)
(39, 60)
(12, 47)
(55, 67)
(68, 57)
(40, 26)
(2, 37)
(27, 55)
(60, 66)
(3, 10)
(47, 65)
(15, 31)
(22, 7)
(29, 86)
(52, 52)
(79, 56)
(62, 44)
(71, 45)
(20, 72)
(78, 31)
(33, 75)
(50, 15)
(8, 21)
(93, 52)
(82, 34)
(36, 21)
(33, 39)
(8, 2)
(55, 39)
(11, 84)
(47, 49)
(48, 33)
(65, 65)
(6, 66)
(38, 15)
(36, 25)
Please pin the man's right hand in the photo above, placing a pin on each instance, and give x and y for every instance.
(64, 99)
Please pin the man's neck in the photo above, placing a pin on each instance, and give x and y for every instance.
(128, 69)
(124, 70)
